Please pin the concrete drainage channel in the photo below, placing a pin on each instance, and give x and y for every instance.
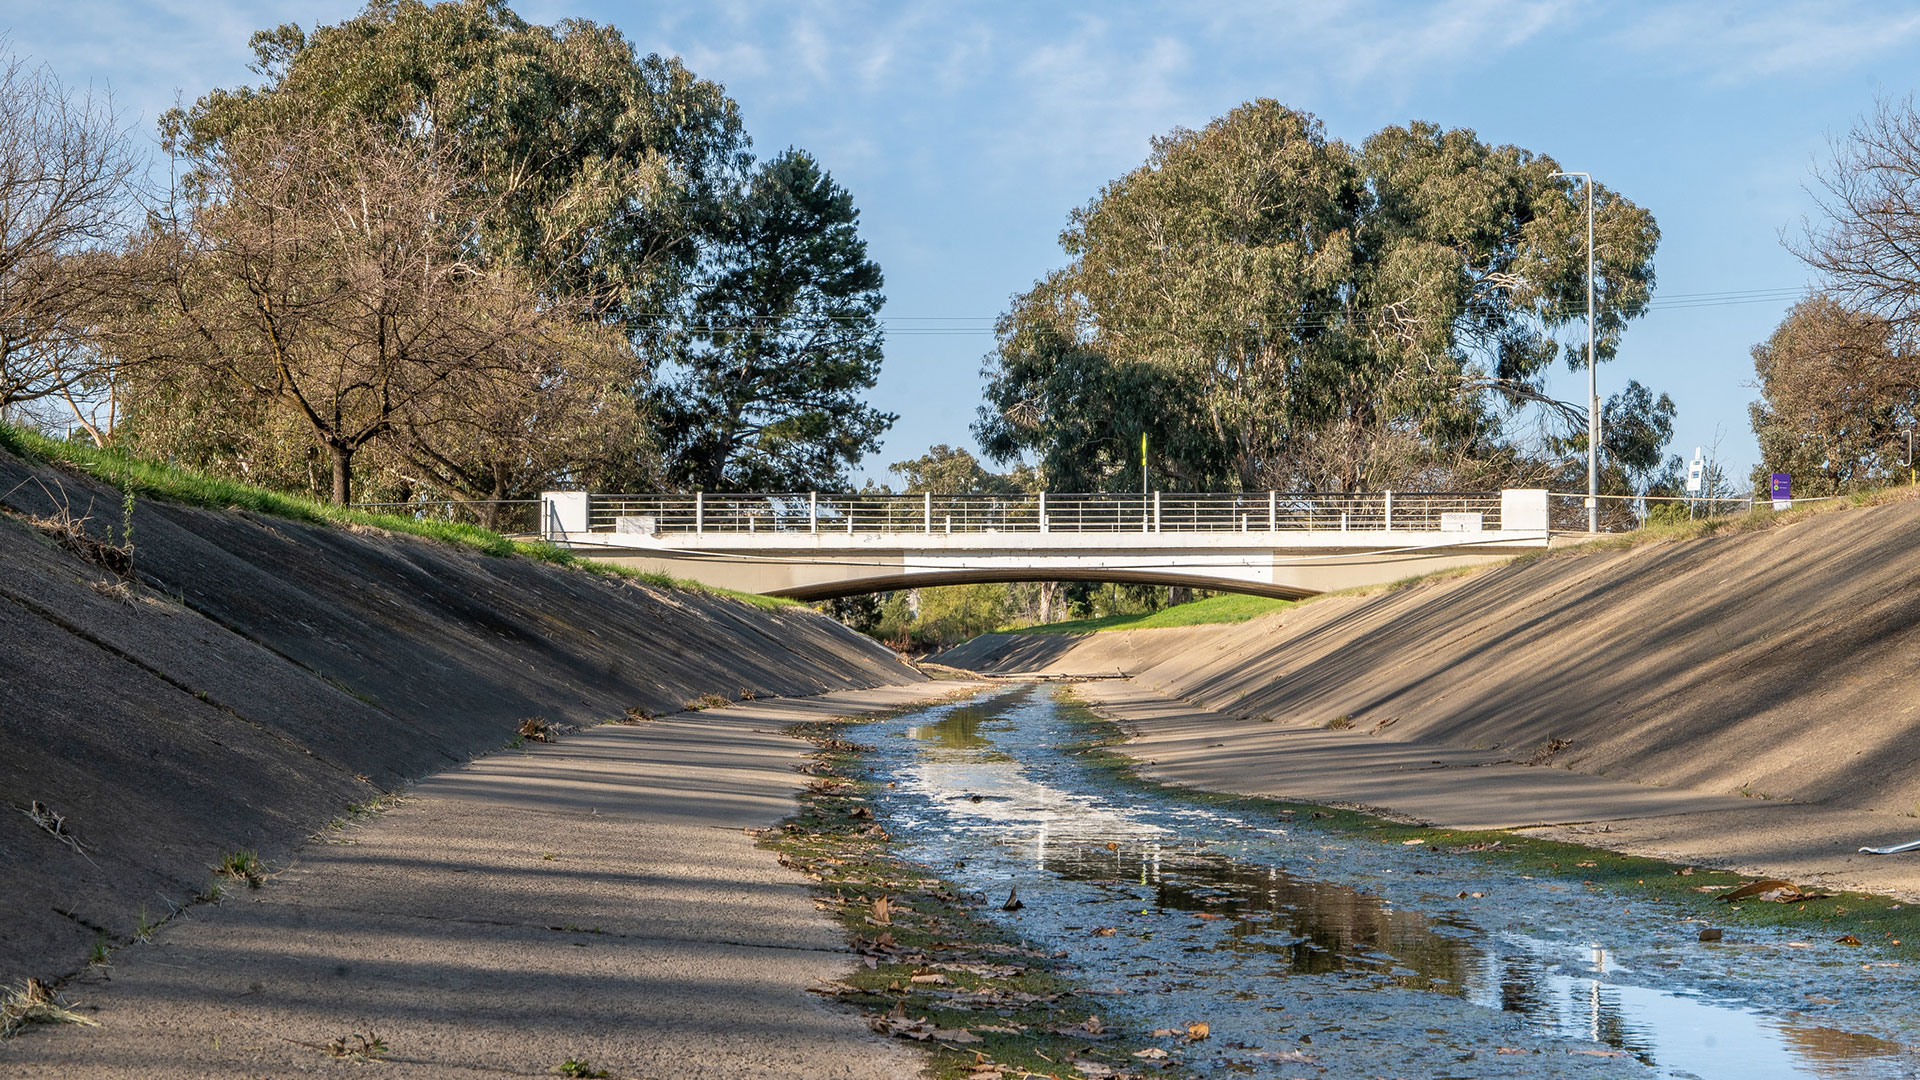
(596, 906)
(1301, 946)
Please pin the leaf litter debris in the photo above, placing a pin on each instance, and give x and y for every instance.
(930, 969)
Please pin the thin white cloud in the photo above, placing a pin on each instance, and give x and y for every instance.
(1733, 45)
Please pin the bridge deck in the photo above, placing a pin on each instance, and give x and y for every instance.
(811, 546)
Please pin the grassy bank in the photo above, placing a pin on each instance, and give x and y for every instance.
(1880, 925)
(1230, 608)
(981, 1002)
(154, 480)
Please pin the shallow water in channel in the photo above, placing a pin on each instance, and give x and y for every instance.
(1312, 952)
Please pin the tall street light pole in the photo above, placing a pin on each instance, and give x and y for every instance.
(1593, 378)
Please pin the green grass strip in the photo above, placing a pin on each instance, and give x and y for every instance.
(1230, 608)
(167, 483)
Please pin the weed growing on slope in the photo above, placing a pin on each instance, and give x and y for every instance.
(34, 1002)
(355, 1046)
(241, 866)
(55, 825)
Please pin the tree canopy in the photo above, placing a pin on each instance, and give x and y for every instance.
(1837, 386)
(678, 315)
(1277, 309)
(601, 168)
(787, 340)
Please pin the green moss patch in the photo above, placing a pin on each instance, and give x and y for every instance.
(1882, 925)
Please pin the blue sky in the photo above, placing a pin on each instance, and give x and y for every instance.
(968, 131)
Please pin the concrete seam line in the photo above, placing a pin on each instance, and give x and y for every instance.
(609, 934)
(56, 619)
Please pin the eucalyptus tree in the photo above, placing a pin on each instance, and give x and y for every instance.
(1276, 308)
(592, 178)
(1838, 388)
(601, 169)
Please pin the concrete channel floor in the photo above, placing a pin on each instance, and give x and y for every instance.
(597, 899)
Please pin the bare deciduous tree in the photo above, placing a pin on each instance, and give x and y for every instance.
(1867, 239)
(331, 270)
(543, 413)
(65, 167)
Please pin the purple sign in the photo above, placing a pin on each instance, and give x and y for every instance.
(1782, 491)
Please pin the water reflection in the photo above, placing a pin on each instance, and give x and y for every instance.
(958, 729)
(1316, 926)
(1185, 913)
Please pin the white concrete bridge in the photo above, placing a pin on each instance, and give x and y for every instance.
(811, 546)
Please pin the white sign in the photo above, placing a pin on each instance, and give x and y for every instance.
(1696, 471)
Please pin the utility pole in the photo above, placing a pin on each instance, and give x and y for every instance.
(1593, 377)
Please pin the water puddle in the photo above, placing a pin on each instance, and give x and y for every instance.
(1314, 953)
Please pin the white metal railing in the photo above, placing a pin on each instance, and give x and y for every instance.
(1166, 512)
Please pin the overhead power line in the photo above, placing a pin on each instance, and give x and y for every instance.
(976, 326)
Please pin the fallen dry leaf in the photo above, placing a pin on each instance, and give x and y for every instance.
(1757, 888)
(1151, 1053)
(955, 1035)
(1197, 1030)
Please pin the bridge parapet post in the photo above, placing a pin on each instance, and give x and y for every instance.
(1156, 511)
(699, 512)
(1043, 511)
(563, 512)
(1523, 510)
(929, 511)
(813, 511)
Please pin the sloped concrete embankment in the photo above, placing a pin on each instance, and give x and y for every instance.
(264, 674)
(1779, 665)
